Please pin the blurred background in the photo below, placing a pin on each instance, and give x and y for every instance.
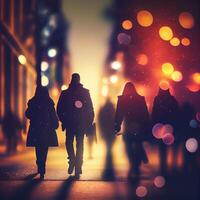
(152, 43)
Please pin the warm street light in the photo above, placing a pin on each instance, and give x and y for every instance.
(116, 65)
(44, 81)
(63, 87)
(52, 52)
(44, 66)
(22, 59)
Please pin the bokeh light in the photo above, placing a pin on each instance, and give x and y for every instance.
(63, 87)
(22, 59)
(185, 42)
(157, 131)
(127, 24)
(196, 77)
(114, 79)
(191, 145)
(177, 76)
(164, 85)
(55, 92)
(104, 91)
(168, 138)
(141, 191)
(193, 87)
(52, 52)
(144, 18)
(44, 66)
(166, 33)
(193, 123)
(78, 104)
(44, 80)
(167, 128)
(167, 68)
(141, 90)
(198, 116)
(124, 38)
(175, 42)
(116, 65)
(159, 181)
(186, 20)
(142, 59)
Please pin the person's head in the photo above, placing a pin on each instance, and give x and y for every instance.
(162, 92)
(129, 89)
(41, 92)
(75, 78)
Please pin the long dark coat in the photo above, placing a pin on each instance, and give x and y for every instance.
(77, 118)
(166, 109)
(133, 111)
(43, 123)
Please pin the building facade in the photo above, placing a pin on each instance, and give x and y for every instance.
(17, 71)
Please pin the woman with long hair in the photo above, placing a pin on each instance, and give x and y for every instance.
(43, 123)
(132, 109)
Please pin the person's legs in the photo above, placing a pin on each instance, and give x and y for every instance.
(79, 153)
(41, 157)
(137, 157)
(70, 151)
(129, 152)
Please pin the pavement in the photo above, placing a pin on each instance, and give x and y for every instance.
(19, 181)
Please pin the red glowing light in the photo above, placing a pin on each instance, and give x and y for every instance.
(168, 139)
(142, 59)
(144, 18)
(185, 41)
(164, 85)
(78, 104)
(186, 20)
(127, 24)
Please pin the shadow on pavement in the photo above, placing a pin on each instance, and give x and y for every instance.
(63, 192)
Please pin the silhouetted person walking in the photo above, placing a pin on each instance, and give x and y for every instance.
(75, 111)
(107, 130)
(132, 109)
(166, 111)
(43, 123)
(11, 124)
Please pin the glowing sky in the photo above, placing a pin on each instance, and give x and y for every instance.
(88, 39)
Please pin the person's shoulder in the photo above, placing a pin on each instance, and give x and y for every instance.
(31, 101)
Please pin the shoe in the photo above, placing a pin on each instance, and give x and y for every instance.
(41, 176)
(71, 168)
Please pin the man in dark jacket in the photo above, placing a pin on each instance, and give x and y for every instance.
(132, 109)
(75, 111)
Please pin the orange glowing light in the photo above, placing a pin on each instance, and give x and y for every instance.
(167, 69)
(196, 77)
(144, 18)
(193, 88)
(127, 24)
(141, 90)
(164, 85)
(175, 42)
(186, 20)
(177, 76)
(142, 59)
(185, 41)
(166, 33)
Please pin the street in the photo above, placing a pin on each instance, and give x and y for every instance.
(19, 181)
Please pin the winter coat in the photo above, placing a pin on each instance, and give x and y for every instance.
(75, 109)
(133, 111)
(165, 109)
(43, 123)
